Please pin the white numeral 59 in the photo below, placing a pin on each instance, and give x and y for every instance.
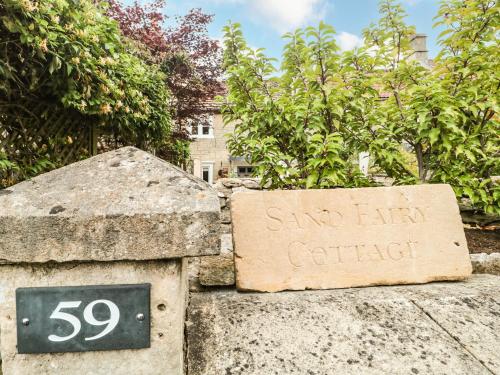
(88, 315)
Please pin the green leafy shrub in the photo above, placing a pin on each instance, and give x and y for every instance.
(67, 55)
(305, 124)
(290, 125)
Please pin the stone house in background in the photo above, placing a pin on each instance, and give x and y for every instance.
(419, 44)
(210, 157)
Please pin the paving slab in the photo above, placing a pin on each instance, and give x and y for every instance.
(438, 328)
(470, 313)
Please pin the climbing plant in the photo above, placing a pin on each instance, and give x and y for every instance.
(70, 57)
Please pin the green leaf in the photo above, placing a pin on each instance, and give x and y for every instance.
(470, 155)
(433, 135)
(9, 24)
(312, 180)
(55, 64)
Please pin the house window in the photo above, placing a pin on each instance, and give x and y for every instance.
(203, 129)
(245, 171)
(207, 172)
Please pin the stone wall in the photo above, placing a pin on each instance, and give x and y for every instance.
(486, 263)
(218, 270)
(120, 218)
(213, 150)
(437, 328)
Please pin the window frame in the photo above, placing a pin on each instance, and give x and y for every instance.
(200, 128)
(247, 173)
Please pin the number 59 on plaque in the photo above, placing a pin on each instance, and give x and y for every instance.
(83, 318)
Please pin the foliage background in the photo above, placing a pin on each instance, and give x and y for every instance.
(68, 55)
(305, 123)
(189, 58)
(68, 67)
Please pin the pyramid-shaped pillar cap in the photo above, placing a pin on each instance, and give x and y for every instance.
(121, 205)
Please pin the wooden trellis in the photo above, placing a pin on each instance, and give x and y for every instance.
(36, 137)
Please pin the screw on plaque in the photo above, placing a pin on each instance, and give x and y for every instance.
(140, 317)
(26, 322)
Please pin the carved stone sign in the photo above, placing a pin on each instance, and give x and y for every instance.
(320, 239)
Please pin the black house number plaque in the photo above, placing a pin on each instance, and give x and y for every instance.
(83, 318)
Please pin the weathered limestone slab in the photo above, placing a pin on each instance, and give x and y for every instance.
(320, 239)
(438, 328)
(470, 312)
(168, 294)
(125, 204)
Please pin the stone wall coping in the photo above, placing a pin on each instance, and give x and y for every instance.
(121, 205)
(417, 329)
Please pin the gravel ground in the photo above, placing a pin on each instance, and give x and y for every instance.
(483, 240)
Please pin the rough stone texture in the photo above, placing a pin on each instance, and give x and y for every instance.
(240, 189)
(168, 294)
(107, 208)
(217, 270)
(438, 328)
(227, 228)
(194, 274)
(230, 182)
(226, 244)
(486, 263)
(225, 217)
(251, 184)
(320, 239)
(213, 270)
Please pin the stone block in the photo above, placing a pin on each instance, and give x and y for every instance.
(194, 273)
(226, 228)
(120, 205)
(168, 294)
(251, 184)
(225, 217)
(240, 189)
(226, 243)
(217, 270)
(222, 191)
(486, 263)
(231, 182)
(222, 202)
(321, 239)
(439, 328)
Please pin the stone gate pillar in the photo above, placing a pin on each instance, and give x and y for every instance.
(81, 250)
